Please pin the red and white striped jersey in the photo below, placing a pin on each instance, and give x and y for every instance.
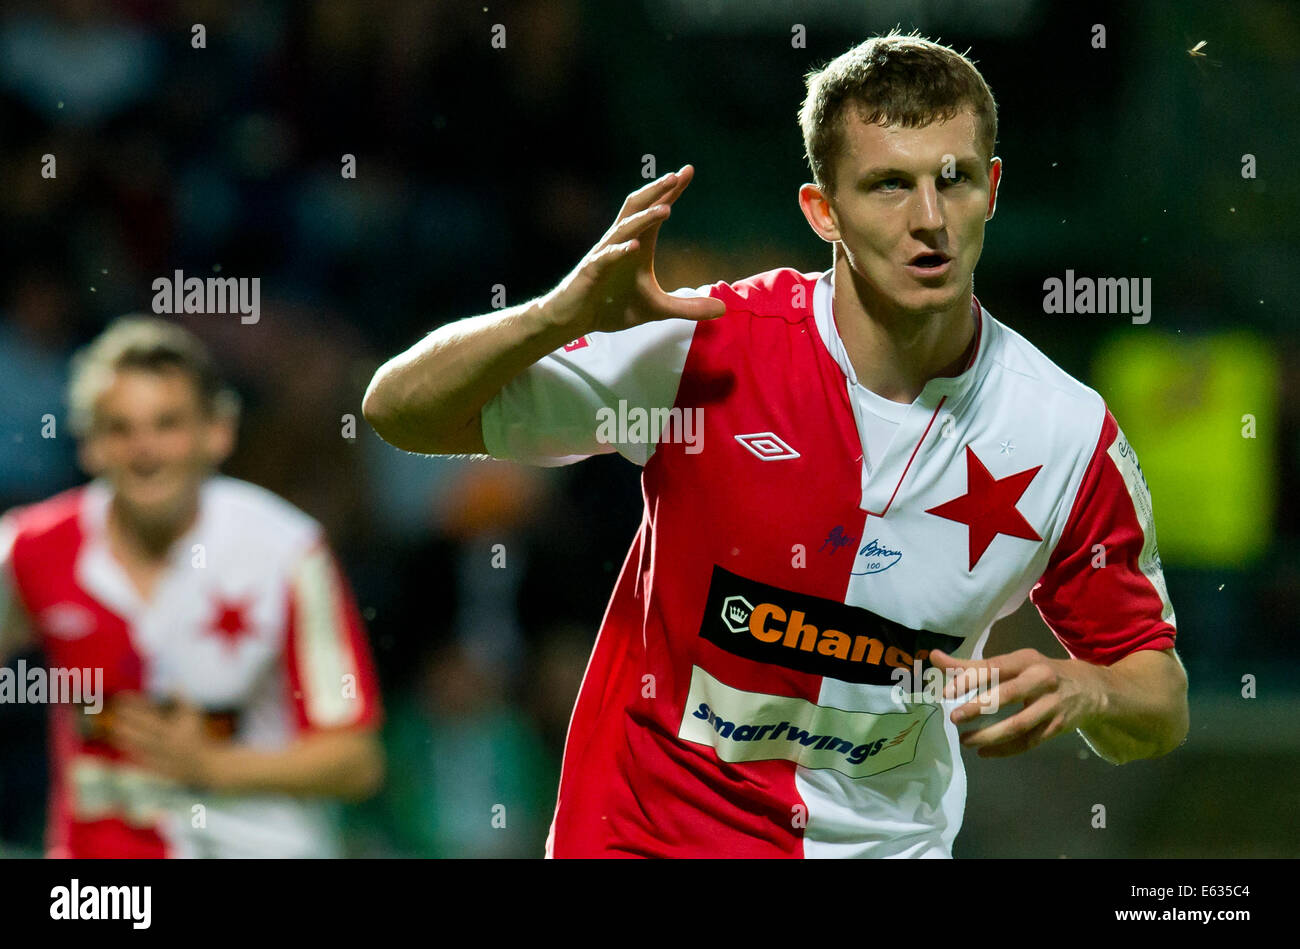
(803, 538)
(252, 621)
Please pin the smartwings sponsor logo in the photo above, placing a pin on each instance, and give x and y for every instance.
(810, 634)
(749, 726)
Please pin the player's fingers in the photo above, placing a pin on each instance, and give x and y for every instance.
(158, 764)
(1010, 728)
(129, 738)
(961, 675)
(1006, 667)
(982, 683)
(943, 660)
(139, 729)
(691, 308)
(650, 194)
(960, 681)
(1029, 740)
(137, 712)
(683, 178)
(633, 226)
(599, 263)
(1025, 687)
(130, 700)
(1014, 663)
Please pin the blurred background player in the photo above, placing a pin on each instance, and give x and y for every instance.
(239, 691)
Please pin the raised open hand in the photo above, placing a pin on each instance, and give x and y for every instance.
(614, 286)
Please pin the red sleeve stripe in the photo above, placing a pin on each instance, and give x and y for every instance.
(1103, 593)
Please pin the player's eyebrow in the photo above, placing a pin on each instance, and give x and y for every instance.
(874, 173)
(968, 163)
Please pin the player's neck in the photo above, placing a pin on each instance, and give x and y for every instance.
(146, 540)
(895, 353)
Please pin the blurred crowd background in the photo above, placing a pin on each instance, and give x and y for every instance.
(479, 166)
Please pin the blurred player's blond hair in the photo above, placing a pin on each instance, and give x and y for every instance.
(138, 341)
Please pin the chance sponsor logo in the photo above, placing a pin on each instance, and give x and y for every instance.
(750, 726)
(811, 634)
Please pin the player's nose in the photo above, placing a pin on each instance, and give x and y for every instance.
(927, 209)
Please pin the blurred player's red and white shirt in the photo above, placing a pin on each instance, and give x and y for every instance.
(739, 700)
(251, 620)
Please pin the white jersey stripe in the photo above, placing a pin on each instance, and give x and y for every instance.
(324, 659)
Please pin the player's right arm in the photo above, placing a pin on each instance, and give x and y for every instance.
(429, 398)
(15, 630)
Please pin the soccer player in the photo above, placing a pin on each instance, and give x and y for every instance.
(848, 477)
(238, 693)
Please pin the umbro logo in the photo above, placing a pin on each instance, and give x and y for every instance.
(68, 621)
(768, 446)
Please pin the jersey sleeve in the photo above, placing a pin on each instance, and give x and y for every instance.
(331, 672)
(593, 396)
(1103, 594)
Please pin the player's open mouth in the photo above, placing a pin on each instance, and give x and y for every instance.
(930, 264)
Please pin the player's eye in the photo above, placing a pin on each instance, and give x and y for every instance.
(957, 177)
(888, 184)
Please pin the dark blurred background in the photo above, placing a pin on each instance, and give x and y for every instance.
(478, 166)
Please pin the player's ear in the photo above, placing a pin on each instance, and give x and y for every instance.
(220, 437)
(221, 426)
(817, 209)
(995, 177)
(90, 456)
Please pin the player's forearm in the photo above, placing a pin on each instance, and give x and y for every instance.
(348, 765)
(1144, 707)
(421, 399)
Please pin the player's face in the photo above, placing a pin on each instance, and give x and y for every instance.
(154, 443)
(909, 209)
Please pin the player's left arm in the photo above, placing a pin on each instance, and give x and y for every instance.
(1135, 708)
(172, 741)
(1103, 595)
(334, 695)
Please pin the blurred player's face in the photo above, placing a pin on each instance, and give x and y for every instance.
(910, 233)
(154, 443)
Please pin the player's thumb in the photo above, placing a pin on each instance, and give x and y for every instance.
(696, 308)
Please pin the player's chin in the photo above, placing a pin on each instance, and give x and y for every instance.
(929, 299)
(156, 504)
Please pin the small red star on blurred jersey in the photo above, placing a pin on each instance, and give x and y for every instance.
(988, 507)
(229, 621)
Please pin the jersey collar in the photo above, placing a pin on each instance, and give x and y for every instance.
(952, 387)
(99, 572)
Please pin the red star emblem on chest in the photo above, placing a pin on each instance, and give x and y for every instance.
(988, 507)
(230, 621)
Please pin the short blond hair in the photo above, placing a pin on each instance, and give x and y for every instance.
(147, 343)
